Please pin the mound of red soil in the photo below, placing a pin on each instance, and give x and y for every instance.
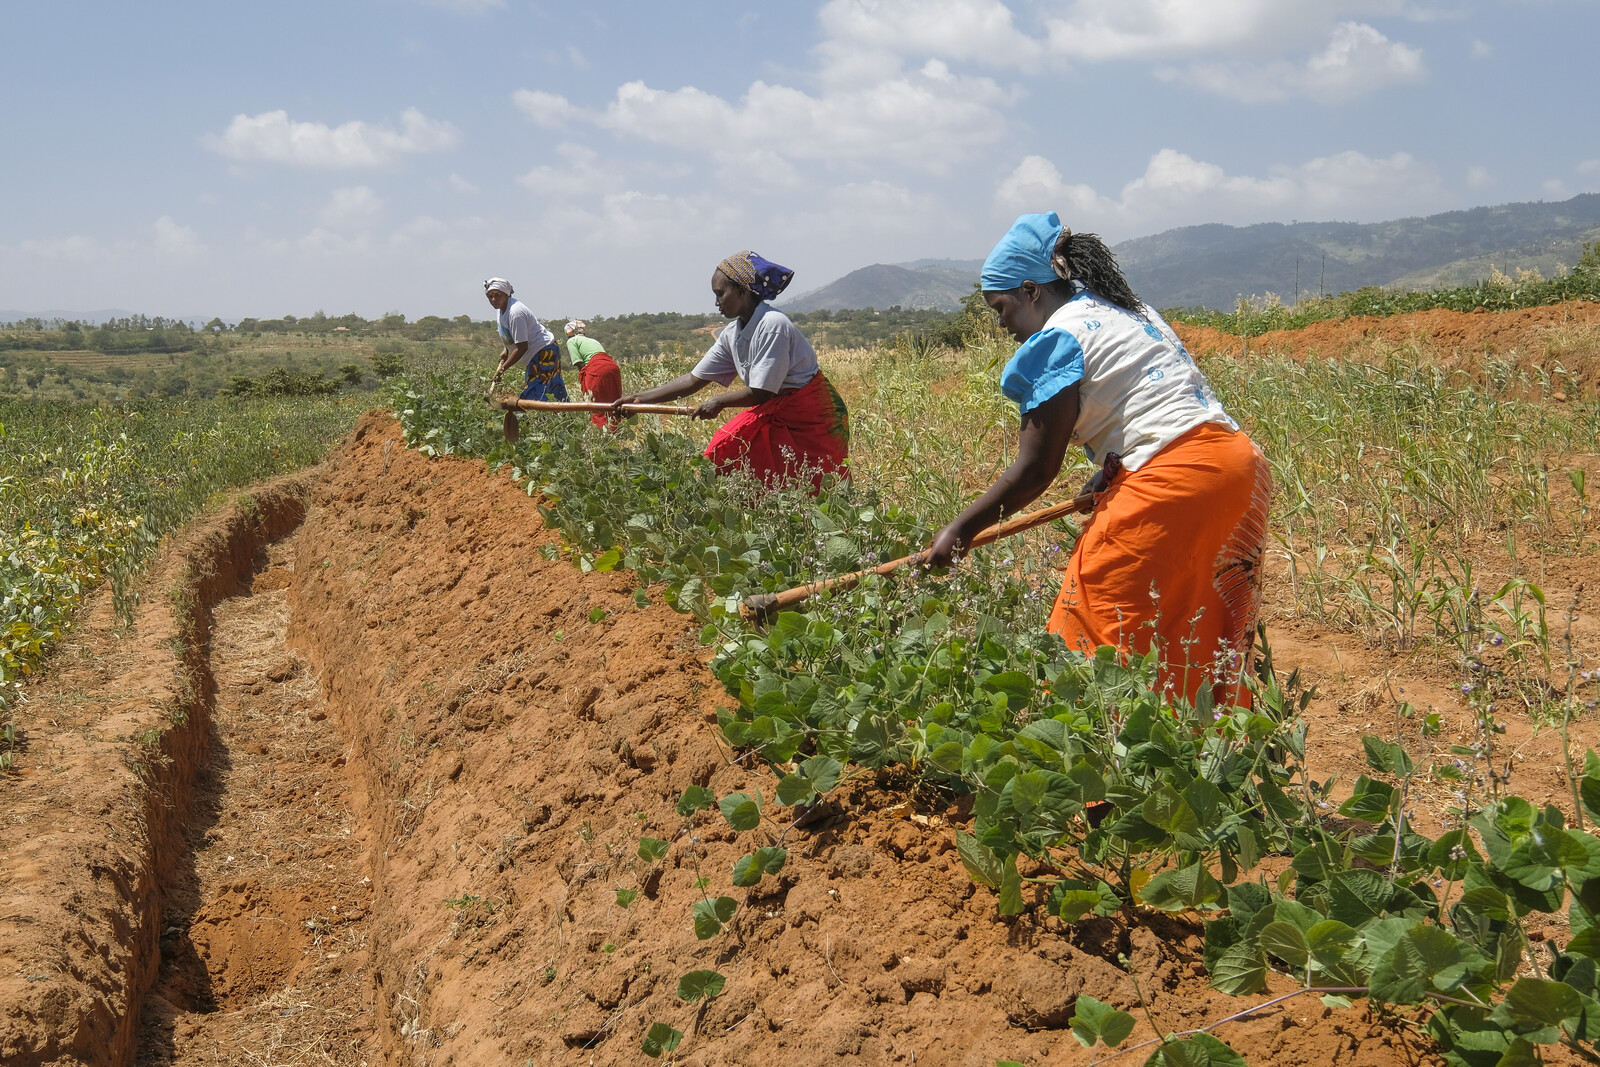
(402, 838)
(1568, 334)
(514, 755)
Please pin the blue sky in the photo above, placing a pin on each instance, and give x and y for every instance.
(387, 155)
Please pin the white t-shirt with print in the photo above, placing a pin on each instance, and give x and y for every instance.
(1139, 389)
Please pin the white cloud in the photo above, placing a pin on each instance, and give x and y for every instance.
(1357, 59)
(1481, 50)
(577, 58)
(929, 119)
(1589, 166)
(577, 174)
(461, 185)
(271, 137)
(1555, 189)
(548, 110)
(860, 35)
(1099, 30)
(1479, 178)
(174, 241)
(350, 208)
(1175, 187)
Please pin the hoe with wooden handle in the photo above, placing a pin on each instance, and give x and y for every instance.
(511, 403)
(765, 605)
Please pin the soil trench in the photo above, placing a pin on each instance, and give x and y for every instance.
(402, 823)
(264, 931)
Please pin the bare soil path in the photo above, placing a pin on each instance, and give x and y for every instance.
(265, 934)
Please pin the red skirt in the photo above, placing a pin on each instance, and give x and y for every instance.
(802, 433)
(601, 380)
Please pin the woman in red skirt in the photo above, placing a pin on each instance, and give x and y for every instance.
(598, 374)
(796, 424)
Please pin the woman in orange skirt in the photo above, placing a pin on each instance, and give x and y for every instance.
(1172, 554)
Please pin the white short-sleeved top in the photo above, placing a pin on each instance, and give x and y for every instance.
(1139, 389)
(518, 323)
(769, 352)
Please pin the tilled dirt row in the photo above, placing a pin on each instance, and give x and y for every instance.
(514, 753)
(415, 764)
(264, 942)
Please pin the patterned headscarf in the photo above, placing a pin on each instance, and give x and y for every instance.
(1024, 254)
(497, 283)
(761, 276)
(576, 326)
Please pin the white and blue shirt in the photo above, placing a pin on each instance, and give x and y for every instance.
(1138, 388)
(518, 323)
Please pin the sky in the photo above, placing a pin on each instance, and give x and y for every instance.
(187, 159)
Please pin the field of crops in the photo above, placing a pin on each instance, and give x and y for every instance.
(1434, 514)
(1419, 510)
(87, 492)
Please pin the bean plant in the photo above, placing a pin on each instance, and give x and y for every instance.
(1094, 790)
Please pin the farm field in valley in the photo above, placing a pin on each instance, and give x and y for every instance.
(398, 762)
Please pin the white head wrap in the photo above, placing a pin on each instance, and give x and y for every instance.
(576, 326)
(497, 283)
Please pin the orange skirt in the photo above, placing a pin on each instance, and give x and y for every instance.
(1172, 556)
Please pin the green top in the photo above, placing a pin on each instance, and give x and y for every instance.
(581, 348)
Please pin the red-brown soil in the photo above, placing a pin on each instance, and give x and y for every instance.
(1567, 335)
(364, 792)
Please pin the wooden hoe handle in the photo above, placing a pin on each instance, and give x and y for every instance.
(511, 403)
(765, 605)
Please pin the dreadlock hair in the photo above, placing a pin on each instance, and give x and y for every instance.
(1084, 258)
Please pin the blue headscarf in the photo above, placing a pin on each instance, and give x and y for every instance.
(761, 276)
(1023, 254)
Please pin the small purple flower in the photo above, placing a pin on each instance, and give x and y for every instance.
(1466, 687)
(1497, 640)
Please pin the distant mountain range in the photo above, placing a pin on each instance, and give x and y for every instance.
(940, 284)
(1213, 265)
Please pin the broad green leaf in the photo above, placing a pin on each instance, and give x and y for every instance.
(1095, 1021)
(1197, 1050)
(626, 897)
(1386, 756)
(823, 771)
(1011, 889)
(605, 563)
(661, 1038)
(706, 923)
(795, 789)
(1425, 959)
(697, 985)
(981, 863)
(694, 799)
(747, 870)
(1357, 896)
(1241, 970)
(1182, 889)
(742, 810)
(1329, 941)
(1370, 802)
(1286, 942)
(652, 849)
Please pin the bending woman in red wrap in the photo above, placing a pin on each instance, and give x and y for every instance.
(796, 422)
